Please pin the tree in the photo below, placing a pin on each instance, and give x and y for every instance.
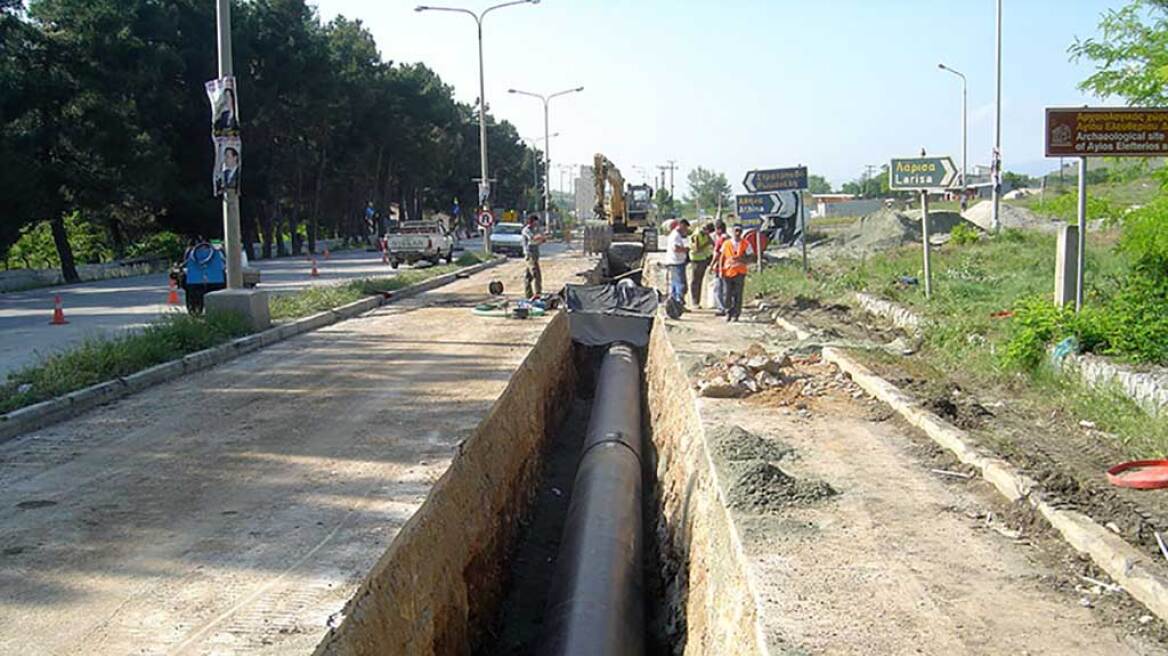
(1131, 54)
(1016, 180)
(708, 189)
(817, 184)
(665, 203)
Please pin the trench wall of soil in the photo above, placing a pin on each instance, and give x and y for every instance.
(713, 605)
(438, 585)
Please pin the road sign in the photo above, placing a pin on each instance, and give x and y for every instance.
(753, 206)
(922, 173)
(485, 218)
(794, 177)
(1106, 132)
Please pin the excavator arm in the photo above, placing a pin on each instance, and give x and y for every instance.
(605, 173)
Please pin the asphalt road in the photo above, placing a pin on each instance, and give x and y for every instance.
(109, 307)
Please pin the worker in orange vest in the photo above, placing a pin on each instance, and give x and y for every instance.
(736, 254)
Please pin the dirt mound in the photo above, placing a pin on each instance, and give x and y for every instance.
(1010, 216)
(886, 229)
(761, 487)
(736, 444)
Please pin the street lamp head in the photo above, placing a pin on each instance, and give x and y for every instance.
(512, 91)
(579, 88)
(534, 2)
(421, 8)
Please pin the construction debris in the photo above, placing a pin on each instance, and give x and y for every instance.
(738, 375)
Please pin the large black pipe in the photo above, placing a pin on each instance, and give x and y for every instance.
(595, 606)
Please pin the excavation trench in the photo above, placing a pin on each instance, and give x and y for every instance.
(583, 515)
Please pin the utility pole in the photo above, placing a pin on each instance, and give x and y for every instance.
(669, 167)
(995, 220)
(231, 233)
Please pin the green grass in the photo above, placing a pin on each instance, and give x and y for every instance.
(311, 300)
(98, 360)
(964, 340)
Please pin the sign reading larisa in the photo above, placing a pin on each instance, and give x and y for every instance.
(1106, 132)
(921, 173)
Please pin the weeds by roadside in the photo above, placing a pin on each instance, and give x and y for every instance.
(991, 320)
(325, 297)
(98, 360)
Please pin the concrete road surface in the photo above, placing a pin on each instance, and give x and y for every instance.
(109, 307)
(235, 511)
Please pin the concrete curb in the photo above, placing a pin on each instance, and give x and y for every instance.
(1143, 578)
(52, 411)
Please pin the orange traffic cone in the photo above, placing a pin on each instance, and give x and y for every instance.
(58, 313)
(314, 273)
(326, 253)
(172, 297)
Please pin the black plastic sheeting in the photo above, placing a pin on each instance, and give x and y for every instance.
(603, 314)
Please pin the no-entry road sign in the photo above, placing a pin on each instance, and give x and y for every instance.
(794, 177)
(1106, 132)
(921, 173)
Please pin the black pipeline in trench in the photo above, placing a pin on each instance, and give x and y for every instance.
(577, 574)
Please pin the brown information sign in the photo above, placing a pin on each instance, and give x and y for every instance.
(1106, 132)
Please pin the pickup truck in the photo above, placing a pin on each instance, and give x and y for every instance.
(419, 240)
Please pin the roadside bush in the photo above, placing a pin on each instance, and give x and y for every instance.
(1066, 207)
(35, 248)
(1038, 323)
(160, 244)
(963, 235)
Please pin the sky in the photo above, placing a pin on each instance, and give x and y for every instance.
(735, 85)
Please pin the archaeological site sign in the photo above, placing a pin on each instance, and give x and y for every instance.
(1106, 132)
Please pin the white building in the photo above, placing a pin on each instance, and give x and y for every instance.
(585, 194)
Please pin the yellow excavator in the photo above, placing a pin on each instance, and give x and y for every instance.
(629, 212)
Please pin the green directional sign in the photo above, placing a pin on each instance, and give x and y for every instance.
(922, 173)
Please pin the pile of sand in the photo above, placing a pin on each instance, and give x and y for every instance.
(885, 229)
(1010, 216)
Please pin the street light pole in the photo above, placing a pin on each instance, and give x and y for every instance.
(964, 129)
(535, 158)
(547, 145)
(995, 220)
(484, 180)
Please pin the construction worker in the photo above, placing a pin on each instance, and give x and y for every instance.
(700, 253)
(532, 237)
(675, 258)
(719, 286)
(735, 264)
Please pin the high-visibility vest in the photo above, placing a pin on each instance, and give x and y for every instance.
(730, 268)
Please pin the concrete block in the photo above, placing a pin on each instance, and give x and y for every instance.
(251, 303)
(1066, 265)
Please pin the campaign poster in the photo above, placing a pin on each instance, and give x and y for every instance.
(224, 107)
(228, 164)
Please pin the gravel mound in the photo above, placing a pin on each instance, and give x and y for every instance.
(735, 444)
(760, 487)
(1021, 218)
(885, 229)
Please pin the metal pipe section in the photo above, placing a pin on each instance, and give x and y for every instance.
(596, 604)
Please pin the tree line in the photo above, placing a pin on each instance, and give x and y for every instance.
(104, 121)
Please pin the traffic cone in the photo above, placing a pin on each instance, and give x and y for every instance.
(385, 257)
(58, 313)
(326, 252)
(314, 273)
(172, 297)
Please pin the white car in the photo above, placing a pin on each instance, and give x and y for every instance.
(420, 240)
(507, 238)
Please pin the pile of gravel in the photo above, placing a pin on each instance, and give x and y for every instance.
(761, 487)
(885, 229)
(1011, 216)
